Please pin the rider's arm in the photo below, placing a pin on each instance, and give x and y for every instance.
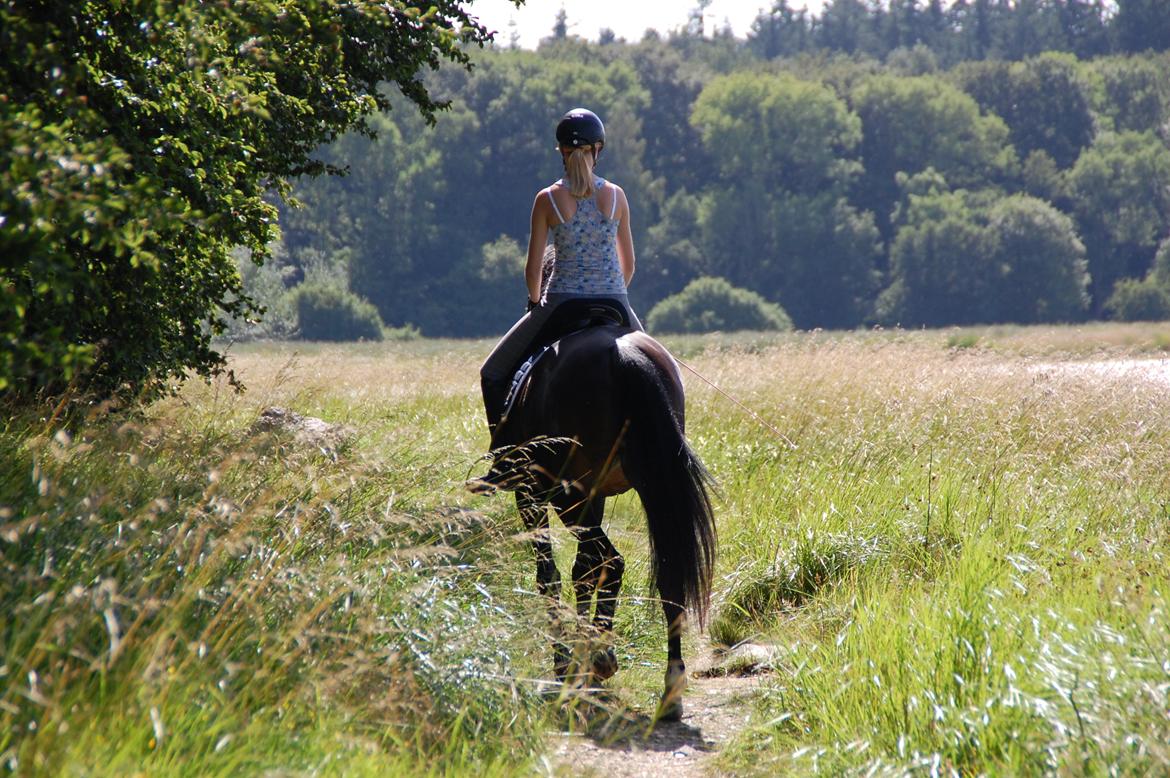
(625, 238)
(537, 239)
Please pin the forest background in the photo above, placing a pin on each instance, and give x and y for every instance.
(901, 163)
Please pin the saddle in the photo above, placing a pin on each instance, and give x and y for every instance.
(569, 317)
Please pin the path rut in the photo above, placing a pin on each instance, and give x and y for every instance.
(716, 708)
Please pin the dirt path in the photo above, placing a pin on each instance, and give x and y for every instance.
(626, 745)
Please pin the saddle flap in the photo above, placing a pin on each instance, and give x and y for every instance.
(521, 375)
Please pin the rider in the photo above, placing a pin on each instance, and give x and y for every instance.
(589, 220)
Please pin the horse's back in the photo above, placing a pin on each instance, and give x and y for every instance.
(593, 343)
(580, 389)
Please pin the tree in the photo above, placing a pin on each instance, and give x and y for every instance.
(1160, 272)
(696, 23)
(776, 217)
(1121, 193)
(843, 27)
(1142, 25)
(674, 152)
(779, 32)
(969, 258)
(671, 255)
(1031, 28)
(910, 124)
(1134, 300)
(1039, 272)
(796, 132)
(1147, 299)
(141, 141)
(1131, 93)
(938, 265)
(1084, 26)
(1042, 100)
(905, 24)
(561, 25)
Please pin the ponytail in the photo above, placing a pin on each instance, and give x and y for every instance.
(579, 172)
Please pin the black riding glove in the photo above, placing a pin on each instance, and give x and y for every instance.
(531, 305)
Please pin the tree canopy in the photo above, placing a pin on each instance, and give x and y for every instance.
(142, 141)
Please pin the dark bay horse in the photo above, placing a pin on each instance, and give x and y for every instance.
(601, 413)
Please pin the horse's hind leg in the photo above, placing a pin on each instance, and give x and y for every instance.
(670, 708)
(548, 578)
(608, 585)
(597, 572)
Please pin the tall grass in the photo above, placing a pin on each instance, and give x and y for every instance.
(961, 554)
(954, 540)
(186, 595)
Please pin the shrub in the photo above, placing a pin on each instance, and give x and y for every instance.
(330, 312)
(1134, 300)
(712, 304)
(268, 286)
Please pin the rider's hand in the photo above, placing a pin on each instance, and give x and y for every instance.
(531, 305)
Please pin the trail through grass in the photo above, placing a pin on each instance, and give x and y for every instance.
(954, 553)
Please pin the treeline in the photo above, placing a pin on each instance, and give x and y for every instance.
(965, 29)
(911, 172)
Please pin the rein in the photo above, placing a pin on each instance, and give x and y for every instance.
(746, 409)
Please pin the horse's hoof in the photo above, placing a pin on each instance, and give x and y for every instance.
(669, 711)
(604, 664)
(670, 707)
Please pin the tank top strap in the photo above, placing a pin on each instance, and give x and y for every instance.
(553, 201)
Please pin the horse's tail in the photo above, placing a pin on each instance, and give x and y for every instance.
(671, 481)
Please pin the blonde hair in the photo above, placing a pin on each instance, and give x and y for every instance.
(579, 172)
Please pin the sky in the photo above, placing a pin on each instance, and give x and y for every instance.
(627, 18)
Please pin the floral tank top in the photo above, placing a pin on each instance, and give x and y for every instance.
(586, 251)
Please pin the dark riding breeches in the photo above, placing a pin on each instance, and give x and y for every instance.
(506, 356)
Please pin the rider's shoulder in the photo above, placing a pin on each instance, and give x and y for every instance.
(619, 194)
(543, 195)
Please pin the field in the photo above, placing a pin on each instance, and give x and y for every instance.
(949, 545)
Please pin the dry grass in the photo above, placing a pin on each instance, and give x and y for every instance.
(955, 539)
(959, 550)
(195, 596)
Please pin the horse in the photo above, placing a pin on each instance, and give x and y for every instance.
(599, 413)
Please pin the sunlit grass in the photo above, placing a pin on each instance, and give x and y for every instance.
(961, 554)
(954, 540)
(192, 596)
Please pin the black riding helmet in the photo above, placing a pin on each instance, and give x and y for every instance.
(580, 127)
